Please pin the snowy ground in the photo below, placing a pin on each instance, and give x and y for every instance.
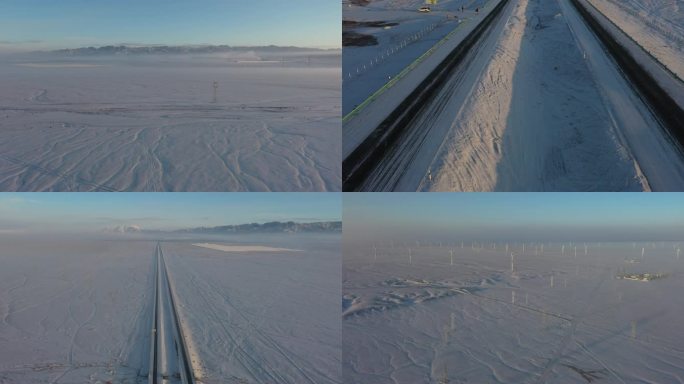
(79, 311)
(536, 119)
(538, 106)
(266, 317)
(555, 317)
(74, 311)
(151, 124)
(658, 26)
(407, 36)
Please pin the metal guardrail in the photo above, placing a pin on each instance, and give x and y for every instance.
(664, 107)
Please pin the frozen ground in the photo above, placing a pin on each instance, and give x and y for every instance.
(551, 317)
(74, 311)
(266, 317)
(150, 123)
(657, 25)
(79, 311)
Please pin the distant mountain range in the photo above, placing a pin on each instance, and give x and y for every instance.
(181, 49)
(272, 227)
(123, 229)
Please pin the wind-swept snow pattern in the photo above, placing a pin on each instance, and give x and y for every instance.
(474, 312)
(261, 317)
(170, 123)
(74, 311)
(129, 309)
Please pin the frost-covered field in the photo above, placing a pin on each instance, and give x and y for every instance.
(150, 123)
(79, 311)
(552, 314)
(74, 311)
(268, 317)
(656, 25)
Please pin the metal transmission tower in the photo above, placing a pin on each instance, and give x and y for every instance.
(215, 90)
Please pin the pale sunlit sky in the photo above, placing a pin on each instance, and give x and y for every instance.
(41, 24)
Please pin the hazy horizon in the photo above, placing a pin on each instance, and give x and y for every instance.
(542, 217)
(94, 212)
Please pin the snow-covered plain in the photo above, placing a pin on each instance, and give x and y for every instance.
(150, 123)
(79, 311)
(554, 315)
(74, 311)
(268, 317)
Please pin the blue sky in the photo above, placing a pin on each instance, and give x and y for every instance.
(44, 24)
(516, 216)
(97, 211)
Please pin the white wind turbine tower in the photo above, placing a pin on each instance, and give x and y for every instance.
(375, 253)
(410, 259)
(563, 250)
(452, 257)
(642, 253)
(512, 263)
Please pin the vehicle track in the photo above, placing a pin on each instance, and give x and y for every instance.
(664, 107)
(169, 359)
(400, 126)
